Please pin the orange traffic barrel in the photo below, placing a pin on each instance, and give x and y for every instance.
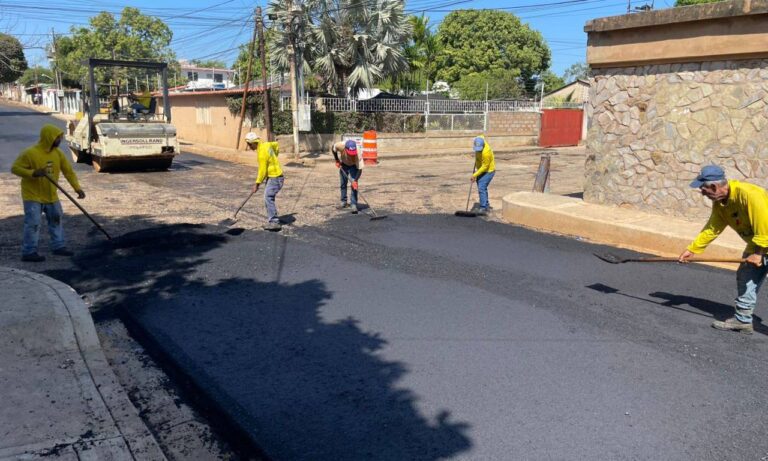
(370, 151)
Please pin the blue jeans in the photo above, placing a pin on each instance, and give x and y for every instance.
(748, 281)
(270, 192)
(482, 188)
(353, 174)
(33, 212)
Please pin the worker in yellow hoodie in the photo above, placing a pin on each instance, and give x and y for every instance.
(271, 173)
(743, 207)
(485, 169)
(40, 195)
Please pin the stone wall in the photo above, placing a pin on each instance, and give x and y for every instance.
(654, 126)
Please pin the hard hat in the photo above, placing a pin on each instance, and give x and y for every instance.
(351, 147)
(251, 138)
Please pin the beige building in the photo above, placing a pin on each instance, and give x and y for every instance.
(671, 91)
(575, 92)
(203, 117)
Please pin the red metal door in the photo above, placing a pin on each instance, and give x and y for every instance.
(560, 127)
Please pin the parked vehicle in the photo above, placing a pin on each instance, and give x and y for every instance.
(119, 135)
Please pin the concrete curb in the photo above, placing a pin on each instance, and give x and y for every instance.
(631, 229)
(104, 391)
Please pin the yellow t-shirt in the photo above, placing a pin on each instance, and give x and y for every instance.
(484, 161)
(745, 211)
(269, 165)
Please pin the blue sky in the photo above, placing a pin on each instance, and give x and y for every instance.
(213, 28)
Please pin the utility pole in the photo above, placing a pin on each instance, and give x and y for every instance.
(292, 58)
(263, 60)
(247, 78)
(57, 74)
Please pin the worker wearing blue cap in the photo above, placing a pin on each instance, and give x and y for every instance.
(743, 207)
(485, 168)
(350, 169)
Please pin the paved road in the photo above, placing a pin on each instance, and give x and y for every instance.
(432, 337)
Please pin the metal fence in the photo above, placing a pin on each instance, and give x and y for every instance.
(415, 106)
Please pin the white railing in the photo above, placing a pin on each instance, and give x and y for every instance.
(415, 106)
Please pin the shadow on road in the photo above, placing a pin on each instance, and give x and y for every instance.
(24, 114)
(258, 351)
(719, 311)
(703, 307)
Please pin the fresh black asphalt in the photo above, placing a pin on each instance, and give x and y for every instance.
(425, 337)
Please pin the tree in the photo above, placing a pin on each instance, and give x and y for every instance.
(347, 43)
(12, 60)
(241, 62)
(37, 74)
(577, 71)
(133, 37)
(209, 64)
(550, 80)
(501, 84)
(476, 41)
(694, 2)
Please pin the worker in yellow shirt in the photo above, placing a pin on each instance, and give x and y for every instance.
(40, 195)
(270, 172)
(485, 169)
(743, 207)
(141, 102)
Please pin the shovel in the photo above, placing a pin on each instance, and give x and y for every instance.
(72, 199)
(231, 221)
(613, 259)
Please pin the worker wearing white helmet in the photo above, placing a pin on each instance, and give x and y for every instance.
(270, 172)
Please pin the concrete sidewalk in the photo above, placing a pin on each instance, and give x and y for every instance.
(624, 228)
(60, 398)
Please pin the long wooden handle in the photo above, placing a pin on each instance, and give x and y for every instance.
(469, 194)
(243, 204)
(72, 199)
(702, 260)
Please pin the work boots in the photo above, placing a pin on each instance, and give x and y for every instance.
(734, 324)
(272, 226)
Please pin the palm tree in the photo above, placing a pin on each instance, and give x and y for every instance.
(347, 43)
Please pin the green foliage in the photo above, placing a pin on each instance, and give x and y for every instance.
(694, 2)
(421, 52)
(241, 62)
(254, 109)
(133, 37)
(12, 60)
(209, 64)
(502, 84)
(577, 71)
(347, 43)
(37, 74)
(352, 122)
(476, 41)
(550, 80)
